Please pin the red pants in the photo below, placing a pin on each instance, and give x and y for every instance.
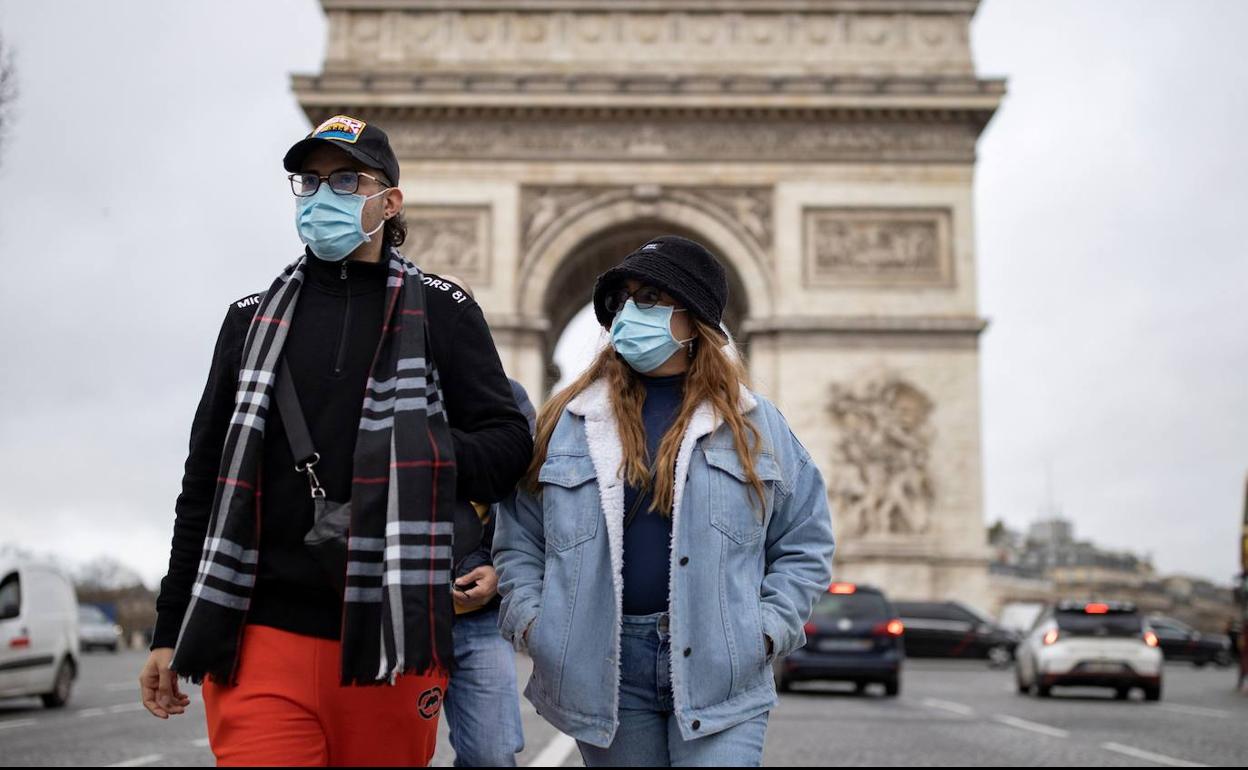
(289, 709)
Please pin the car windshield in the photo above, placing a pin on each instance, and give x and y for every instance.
(1082, 623)
(859, 605)
(89, 614)
(1170, 623)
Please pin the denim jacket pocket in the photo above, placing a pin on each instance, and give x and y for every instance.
(570, 503)
(734, 505)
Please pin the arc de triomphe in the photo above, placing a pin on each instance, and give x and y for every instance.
(824, 148)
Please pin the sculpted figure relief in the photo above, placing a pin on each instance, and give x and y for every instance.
(880, 477)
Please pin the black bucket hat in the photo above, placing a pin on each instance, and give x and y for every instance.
(685, 269)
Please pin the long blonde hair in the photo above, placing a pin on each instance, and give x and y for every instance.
(714, 376)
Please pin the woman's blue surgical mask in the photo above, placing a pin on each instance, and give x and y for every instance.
(332, 224)
(644, 337)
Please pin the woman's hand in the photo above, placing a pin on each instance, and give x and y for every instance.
(158, 686)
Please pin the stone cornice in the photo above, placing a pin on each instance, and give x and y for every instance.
(888, 325)
(919, 96)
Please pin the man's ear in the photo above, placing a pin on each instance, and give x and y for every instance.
(394, 203)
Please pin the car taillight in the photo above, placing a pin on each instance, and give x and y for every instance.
(1096, 608)
(809, 628)
(1051, 636)
(842, 588)
(19, 643)
(888, 628)
(1150, 638)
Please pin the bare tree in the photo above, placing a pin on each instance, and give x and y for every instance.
(8, 89)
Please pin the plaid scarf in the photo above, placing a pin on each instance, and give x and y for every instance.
(398, 610)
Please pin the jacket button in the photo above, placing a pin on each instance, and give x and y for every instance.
(688, 651)
(684, 560)
(696, 724)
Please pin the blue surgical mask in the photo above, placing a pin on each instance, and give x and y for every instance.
(331, 224)
(644, 337)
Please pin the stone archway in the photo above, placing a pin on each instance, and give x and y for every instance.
(596, 228)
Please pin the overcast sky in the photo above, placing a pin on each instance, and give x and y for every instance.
(144, 191)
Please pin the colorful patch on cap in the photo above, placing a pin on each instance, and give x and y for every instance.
(341, 128)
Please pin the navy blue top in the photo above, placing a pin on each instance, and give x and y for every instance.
(648, 540)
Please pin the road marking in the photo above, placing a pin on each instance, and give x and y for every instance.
(1035, 727)
(95, 712)
(124, 707)
(139, 761)
(1199, 711)
(1149, 756)
(200, 743)
(16, 723)
(556, 752)
(948, 705)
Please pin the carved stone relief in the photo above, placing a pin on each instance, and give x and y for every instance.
(454, 240)
(746, 208)
(686, 140)
(885, 43)
(853, 246)
(879, 477)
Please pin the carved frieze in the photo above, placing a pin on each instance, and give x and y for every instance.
(571, 138)
(877, 246)
(451, 240)
(873, 43)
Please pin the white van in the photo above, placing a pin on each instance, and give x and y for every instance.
(38, 633)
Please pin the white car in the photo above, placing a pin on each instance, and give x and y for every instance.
(1090, 644)
(38, 633)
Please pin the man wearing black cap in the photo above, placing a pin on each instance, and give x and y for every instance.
(361, 396)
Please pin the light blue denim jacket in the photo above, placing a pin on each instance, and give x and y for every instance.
(734, 577)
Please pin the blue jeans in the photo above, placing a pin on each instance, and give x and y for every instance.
(648, 735)
(482, 706)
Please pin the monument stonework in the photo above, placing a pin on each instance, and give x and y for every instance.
(825, 149)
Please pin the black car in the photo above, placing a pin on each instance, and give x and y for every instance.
(1181, 642)
(853, 636)
(954, 630)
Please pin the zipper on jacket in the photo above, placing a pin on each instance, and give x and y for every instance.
(340, 361)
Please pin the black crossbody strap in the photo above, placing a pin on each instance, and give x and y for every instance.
(301, 447)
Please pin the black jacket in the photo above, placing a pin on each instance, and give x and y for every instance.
(329, 350)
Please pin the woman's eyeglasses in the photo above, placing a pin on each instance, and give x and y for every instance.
(645, 297)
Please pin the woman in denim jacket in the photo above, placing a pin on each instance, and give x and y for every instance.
(672, 537)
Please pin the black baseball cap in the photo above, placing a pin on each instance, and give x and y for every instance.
(365, 142)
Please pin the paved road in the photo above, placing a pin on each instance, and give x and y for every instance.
(948, 714)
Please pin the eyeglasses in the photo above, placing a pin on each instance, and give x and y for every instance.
(342, 182)
(645, 297)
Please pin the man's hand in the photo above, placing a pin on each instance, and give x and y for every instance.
(478, 596)
(158, 686)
